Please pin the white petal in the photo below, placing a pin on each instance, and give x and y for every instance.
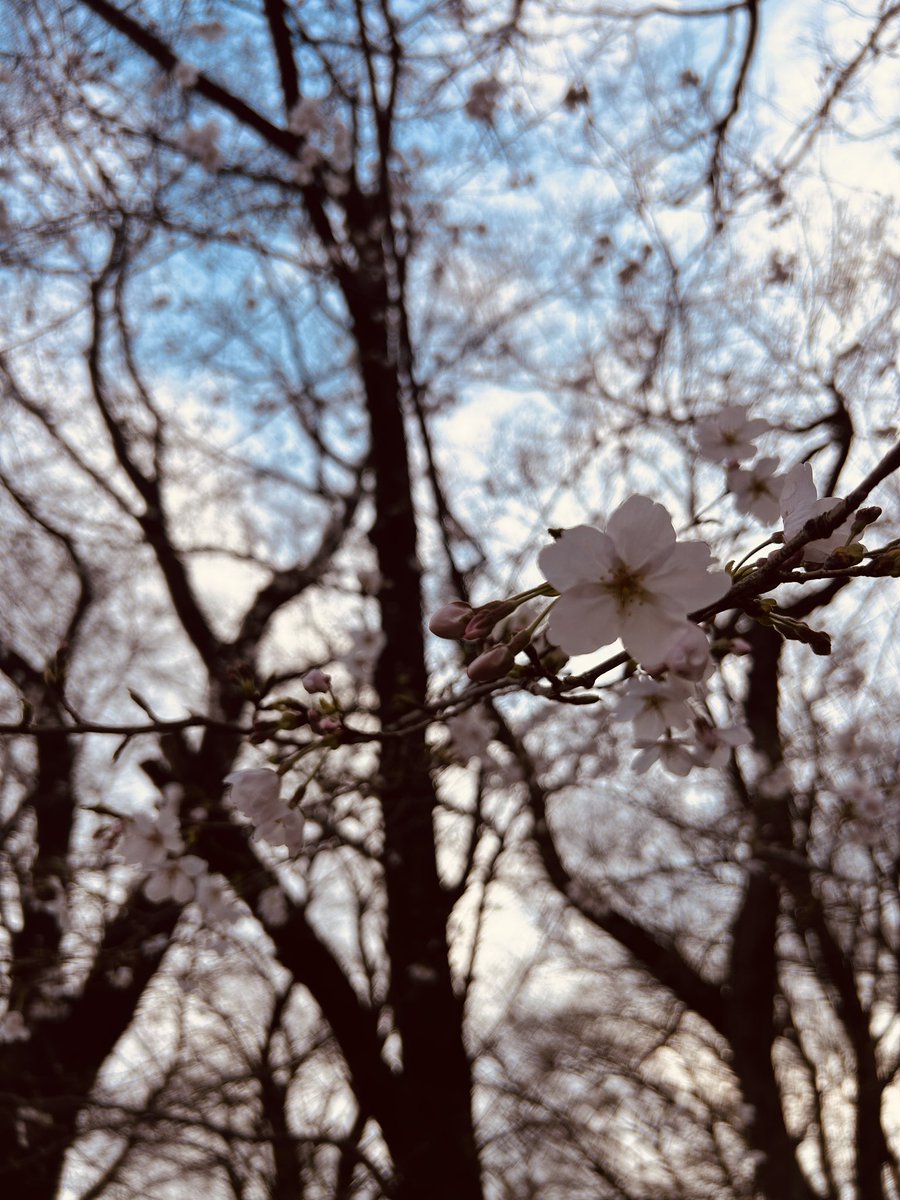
(685, 580)
(644, 761)
(647, 630)
(583, 619)
(642, 531)
(580, 555)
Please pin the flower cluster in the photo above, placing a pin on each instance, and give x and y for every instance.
(154, 842)
(658, 708)
(727, 436)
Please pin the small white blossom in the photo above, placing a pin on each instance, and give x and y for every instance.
(727, 436)
(175, 880)
(714, 746)
(655, 706)
(800, 503)
(633, 582)
(256, 790)
(285, 830)
(257, 793)
(757, 489)
(675, 756)
(151, 838)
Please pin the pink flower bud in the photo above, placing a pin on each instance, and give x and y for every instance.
(740, 646)
(451, 620)
(329, 725)
(485, 618)
(316, 681)
(493, 664)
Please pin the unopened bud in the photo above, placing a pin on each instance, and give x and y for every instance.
(864, 517)
(485, 618)
(316, 681)
(493, 664)
(451, 620)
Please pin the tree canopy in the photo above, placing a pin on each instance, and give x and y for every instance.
(449, 487)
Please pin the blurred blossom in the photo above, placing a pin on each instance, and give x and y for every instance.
(175, 880)
(272, 906)
(654, 707)
(757, 489)
(727, 436)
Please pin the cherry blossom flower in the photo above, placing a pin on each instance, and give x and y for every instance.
(175, 880)
(256, 790)
(257, 793)
(800, 503)
(674, 755)
(728, 434)
(714, 746)
(632, 582)
(756, 489)
(316, 681)
(151, 838)
(286, 830)
(655, 707)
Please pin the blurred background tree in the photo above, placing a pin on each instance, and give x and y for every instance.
(315, 316)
